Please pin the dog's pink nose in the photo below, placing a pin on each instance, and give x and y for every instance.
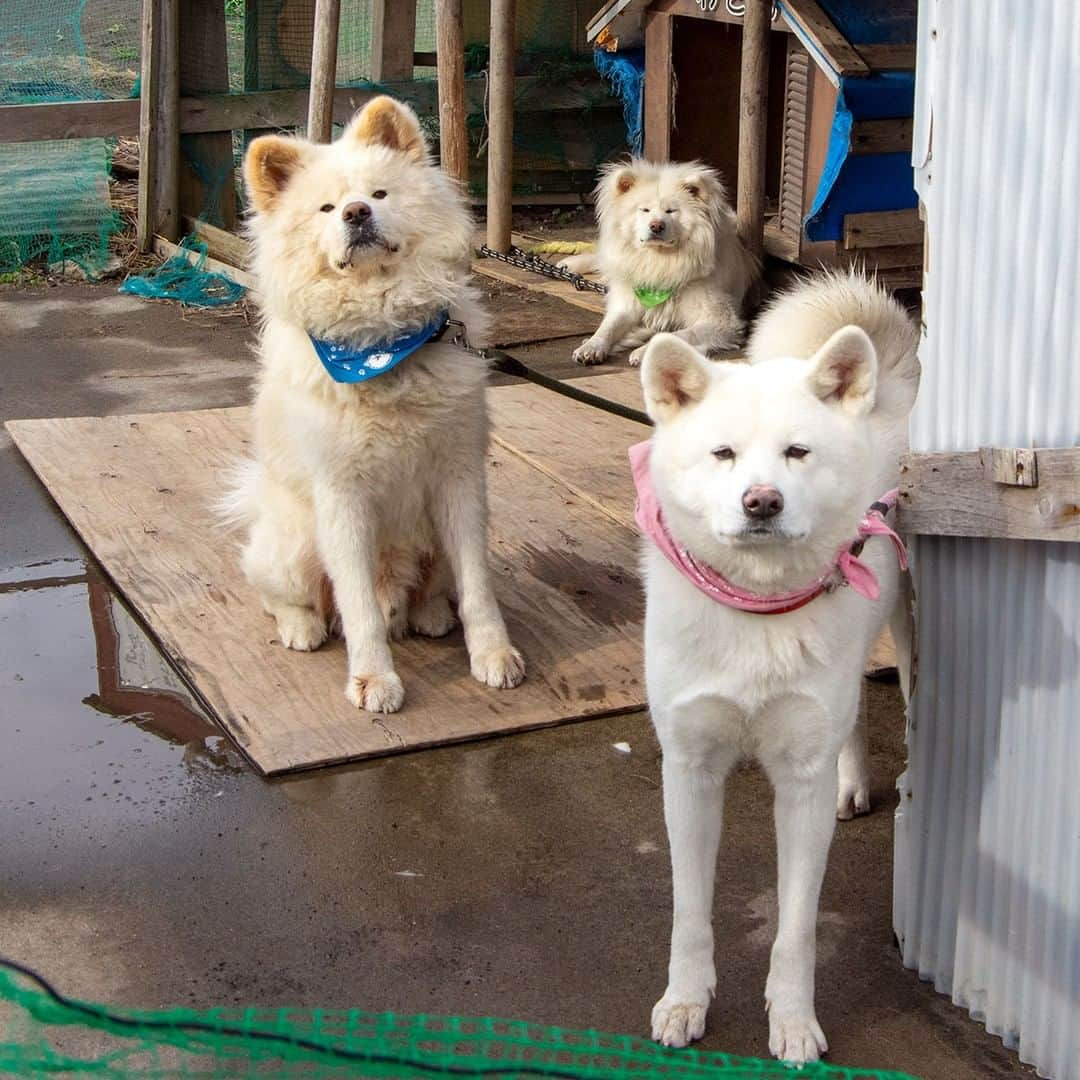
(355, 212)
(762, 501)
(656, 227)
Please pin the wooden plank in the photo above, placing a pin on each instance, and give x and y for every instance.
(393, 40)
(526, 279)
(450, 57)
(232, 250)
(881, 136)
(956, 495)
(753, 122)
(889, 57)
(207, 174)
(138, 489)
(500, 147)
(69, 120)
(167, 249)
(659, 89)
(149, 104)
(825, 38)
(882, 228)
(1016, 467)
(886, 258)
(323, 70)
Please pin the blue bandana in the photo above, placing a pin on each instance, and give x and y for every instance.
(347, 365)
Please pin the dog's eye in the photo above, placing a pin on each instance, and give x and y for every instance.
(724, 453)
(797, 452)
(380, 194)
(645, 210)
(326, 208)
(669, 211)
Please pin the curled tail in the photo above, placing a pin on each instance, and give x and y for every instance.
(801, 320)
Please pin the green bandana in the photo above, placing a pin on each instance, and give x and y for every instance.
(650, 298)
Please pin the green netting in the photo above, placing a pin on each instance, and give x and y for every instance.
(49, 1036)
(56, 194)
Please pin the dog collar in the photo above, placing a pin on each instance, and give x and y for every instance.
(846, 569)
(345, 364)
(650, 298)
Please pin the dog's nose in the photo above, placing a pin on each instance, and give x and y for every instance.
(762, 501)
(355, 212)
(656, 227)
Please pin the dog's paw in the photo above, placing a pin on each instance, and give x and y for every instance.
(590, 352)
(795, 1037)
(502, 668)
(381, 693)
(853, 798)
(635, 358)
(433, 618)
(300, 628)
(677, 1022)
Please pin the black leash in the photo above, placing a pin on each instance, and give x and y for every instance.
(506, 364)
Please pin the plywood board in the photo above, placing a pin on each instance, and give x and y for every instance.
(138, 490)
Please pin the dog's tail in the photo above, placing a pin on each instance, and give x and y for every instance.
(236, 507)
(800, 321)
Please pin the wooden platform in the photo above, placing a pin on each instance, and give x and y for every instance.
(138, 489)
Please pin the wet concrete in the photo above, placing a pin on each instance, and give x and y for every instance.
(142, 863)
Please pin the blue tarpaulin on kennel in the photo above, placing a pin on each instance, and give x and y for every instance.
(859, 183)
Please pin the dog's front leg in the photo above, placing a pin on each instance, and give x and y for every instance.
(460, 503)
(617, 322)
(345, 532)
(693, 811)
(805, 812)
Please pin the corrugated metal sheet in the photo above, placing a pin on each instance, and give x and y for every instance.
(987, 879)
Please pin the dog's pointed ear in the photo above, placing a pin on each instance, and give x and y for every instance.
(269, 165)
(844, 371)
(673, 376)
(384, 121)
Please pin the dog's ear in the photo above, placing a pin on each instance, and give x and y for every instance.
(705, 184)
(269, 165)
(385, 121)
(673, 376)
(844, 371)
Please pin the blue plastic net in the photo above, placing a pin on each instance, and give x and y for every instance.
(185, 278)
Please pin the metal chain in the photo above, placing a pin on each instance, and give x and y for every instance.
(525, 261)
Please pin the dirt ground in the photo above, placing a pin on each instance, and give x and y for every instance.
(142, 863)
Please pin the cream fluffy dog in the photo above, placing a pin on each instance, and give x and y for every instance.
(669, 251)
(376, 488)
(761, 474)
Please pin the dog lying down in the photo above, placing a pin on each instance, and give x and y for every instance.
(669, 251)
(367, 487)
(756, 493)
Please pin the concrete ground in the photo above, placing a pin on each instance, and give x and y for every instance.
(142, 863)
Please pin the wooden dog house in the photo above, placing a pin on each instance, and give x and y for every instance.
(838, 179)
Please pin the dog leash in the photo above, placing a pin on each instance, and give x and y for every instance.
(506, 364)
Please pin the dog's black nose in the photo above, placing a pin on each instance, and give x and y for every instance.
(762, 501)
(355, 212)
(656, 227)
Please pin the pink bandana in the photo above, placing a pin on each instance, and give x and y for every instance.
(847, 568)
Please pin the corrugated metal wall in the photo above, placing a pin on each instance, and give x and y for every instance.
(987, 880)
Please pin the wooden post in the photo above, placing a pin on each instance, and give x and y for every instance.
(393, 40)
(658, 85)
(450, 59)
(323, 70)
(501, 126)
(753, 117)
(159, 124)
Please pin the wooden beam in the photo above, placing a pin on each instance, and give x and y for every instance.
(753, 123)
(882, 228)
(393, 40)
(659, 91)
(500, 148)
(898, 57)
(323, 70)
(957, 495)
(885, 258)
(881, 136)
(159, 128)
(69, 120)
(825, 38)
(450, 58)
(220, 243)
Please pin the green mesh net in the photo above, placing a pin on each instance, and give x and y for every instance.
(48, 1035)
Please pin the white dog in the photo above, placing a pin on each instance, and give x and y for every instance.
(673, 261)
(370, 431)
(753, 493)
